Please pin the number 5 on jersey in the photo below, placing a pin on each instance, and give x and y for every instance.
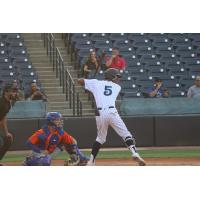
(108, 90)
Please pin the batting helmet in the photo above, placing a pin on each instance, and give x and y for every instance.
(111, 74)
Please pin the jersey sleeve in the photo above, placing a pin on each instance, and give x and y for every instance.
(90, 84)
(67, 139)
(35, 138)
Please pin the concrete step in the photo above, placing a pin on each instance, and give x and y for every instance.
(43, 69)
(32, 36)
(49, 81)
(44, 76)
(49, 73)
(51, 84)
(57, 89)
(37, 54)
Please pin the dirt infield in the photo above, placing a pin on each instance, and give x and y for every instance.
(195, 161)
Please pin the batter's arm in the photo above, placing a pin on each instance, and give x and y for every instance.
(81, 82)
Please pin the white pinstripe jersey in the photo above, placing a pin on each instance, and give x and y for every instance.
(105, 92)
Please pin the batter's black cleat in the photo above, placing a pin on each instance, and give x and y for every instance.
(138, 159)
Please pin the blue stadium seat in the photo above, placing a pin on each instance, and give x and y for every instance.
(163, 49)
(99, 36)
(132, 94)
(79, 36)
(168, 56)
(141, 42)
(137, 36)
(161, 42)
(186, 83)
(121, 43)
(84, 44)
(118, 36)
(103, 44)
(171, 83)
(176, 92)
(145, 50)
(145, 58)
(154, 36)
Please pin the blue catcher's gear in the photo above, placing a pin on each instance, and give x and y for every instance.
(54, 119)
(42, 160)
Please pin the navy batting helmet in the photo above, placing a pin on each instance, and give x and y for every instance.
(111, 74)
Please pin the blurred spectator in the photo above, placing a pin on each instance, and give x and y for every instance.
(194, 91)
(91, 66)
(157, 89)
(116, 60)
(19, 93)
(34, 93)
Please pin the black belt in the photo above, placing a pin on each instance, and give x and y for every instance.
(108, 107)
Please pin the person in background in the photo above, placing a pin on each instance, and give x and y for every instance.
(157, 89)
(116, 61)
(19, 93)
(194, 90)
(35, 93)
(91, 66)
(6, 138)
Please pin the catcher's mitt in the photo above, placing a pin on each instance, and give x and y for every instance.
(73, 160)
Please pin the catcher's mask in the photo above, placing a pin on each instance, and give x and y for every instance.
(54, 119)
(112, 74)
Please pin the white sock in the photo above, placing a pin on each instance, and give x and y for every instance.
(91, 158)
(133, 150)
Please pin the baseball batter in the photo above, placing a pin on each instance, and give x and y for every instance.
(105, 93)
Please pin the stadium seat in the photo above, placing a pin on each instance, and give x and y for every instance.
(163, 49)
(99, 37)
(141, 42)
(137, 36)
(145, 50)
(121, 43)
(154, 36)
(118, 36)
(103, 44)
(186, 83)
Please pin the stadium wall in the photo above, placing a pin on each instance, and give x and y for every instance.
(149, 131)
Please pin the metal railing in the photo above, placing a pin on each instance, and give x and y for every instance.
(65, 78)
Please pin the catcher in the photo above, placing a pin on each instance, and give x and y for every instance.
(50, 140)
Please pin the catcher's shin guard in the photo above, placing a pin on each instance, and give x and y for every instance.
(6, 143)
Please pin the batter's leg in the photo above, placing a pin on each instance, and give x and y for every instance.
(102, 129)
(119, 126)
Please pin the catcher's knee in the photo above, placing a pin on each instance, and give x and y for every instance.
(129, 141)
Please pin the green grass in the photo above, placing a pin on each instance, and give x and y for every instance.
(163, 153)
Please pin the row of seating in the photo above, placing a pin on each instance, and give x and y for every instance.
(15, 63)
(175, 58)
